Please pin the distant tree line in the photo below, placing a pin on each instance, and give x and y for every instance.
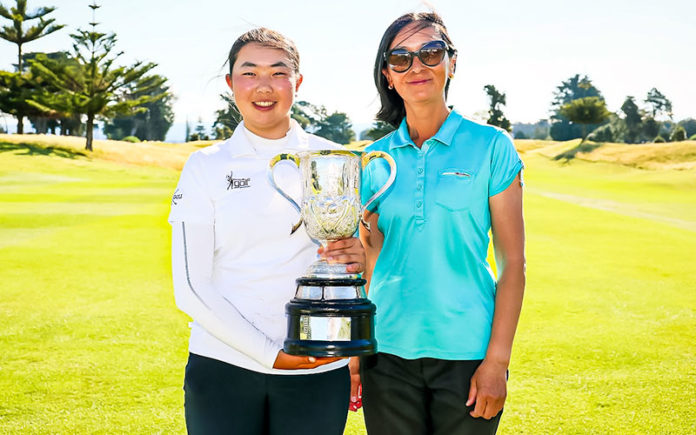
(72, 90)
(334, 126)
(578, 110)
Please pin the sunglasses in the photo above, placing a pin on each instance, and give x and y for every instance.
(430, 54)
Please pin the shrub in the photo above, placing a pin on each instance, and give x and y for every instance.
(678, 134)
(520, 135)
(689, 125)
(693, 137)
(659, 139)
(604, 133)
(131, 139)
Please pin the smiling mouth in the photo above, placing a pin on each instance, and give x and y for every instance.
(418, 82)
(264, 104)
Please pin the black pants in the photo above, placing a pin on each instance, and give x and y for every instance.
(421, 396)
(224, 399)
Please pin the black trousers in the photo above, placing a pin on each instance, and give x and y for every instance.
(224, 399)
(418, 397)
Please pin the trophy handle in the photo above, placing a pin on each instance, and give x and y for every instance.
(367, 158)
(271, 180)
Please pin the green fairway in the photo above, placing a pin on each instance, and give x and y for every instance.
(92, 341)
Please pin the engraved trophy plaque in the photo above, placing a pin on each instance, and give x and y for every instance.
(330, 314)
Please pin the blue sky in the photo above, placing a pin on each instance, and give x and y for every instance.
(524, 48)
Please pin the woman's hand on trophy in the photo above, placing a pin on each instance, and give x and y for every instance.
(286, 361)
(347, 251)
(355, 385)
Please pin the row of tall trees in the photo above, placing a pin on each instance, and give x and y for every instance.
(72, 90)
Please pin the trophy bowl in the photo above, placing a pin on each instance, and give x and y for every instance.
(330, 314)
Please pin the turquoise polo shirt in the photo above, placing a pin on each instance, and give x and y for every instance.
(432, 285)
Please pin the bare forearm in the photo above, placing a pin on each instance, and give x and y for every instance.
(372, 242)
(508, 304)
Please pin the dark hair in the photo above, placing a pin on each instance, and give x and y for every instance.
(393, 110)
(267, 38)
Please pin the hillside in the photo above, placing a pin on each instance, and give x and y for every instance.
(162, 154)
(674, 155)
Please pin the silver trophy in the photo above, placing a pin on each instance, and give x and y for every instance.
(330, 314)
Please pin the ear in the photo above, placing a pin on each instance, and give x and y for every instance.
(228, 79)
(453, 65)
(385, 73)
(298, 82)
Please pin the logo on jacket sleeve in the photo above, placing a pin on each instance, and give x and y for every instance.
(236, 183)
(177, 196)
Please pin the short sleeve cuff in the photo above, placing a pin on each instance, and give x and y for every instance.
(510, 177)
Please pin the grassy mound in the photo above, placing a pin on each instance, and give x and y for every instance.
(162, 154)
(671, 155)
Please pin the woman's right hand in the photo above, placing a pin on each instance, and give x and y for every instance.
(355, 385)
(285, 361)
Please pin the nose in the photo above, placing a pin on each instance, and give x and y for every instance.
(417, 65)
(264, 85)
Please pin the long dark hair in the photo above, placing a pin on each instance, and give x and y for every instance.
(267, 38)
(393, 110)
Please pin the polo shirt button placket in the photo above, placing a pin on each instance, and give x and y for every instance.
(420, 179)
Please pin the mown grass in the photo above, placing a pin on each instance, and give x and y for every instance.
(92, 341)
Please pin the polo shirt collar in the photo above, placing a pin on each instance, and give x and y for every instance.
(239, 145)
(444, 135)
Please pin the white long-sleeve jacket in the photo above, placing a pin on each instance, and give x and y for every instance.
(234, 262)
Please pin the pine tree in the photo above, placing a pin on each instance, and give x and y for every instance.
(94, 86)
(150, 124)
(227, 118)
(572, 89)
(585, 111)
(16, 34)
(495, 112)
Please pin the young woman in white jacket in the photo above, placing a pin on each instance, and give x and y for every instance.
(234, 263)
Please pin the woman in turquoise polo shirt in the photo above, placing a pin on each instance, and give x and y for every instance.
(444, 325)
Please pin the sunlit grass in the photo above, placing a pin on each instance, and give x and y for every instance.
(160, 154)
(670, 155)
(92, 342)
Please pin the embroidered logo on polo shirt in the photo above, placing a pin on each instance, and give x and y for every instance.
(457, 174)
(237, 183)
(177, 196)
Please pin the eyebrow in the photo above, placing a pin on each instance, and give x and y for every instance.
(275, 65)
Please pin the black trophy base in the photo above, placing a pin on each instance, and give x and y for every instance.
(330, 327)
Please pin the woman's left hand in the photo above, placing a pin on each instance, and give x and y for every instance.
(488, 390)
(347, 251)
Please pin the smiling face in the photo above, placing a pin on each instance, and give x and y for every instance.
(420, 83)
(264, 84)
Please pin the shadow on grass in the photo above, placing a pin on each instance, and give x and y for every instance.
(569, 155)
(35, 150)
